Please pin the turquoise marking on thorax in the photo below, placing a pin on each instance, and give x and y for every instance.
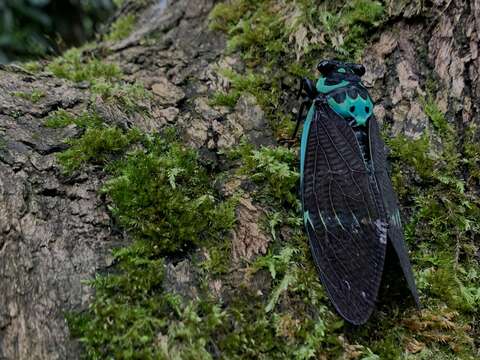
(358, 108)
(324, 89)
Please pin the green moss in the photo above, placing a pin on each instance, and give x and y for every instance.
(34, 96)
(459, 292)
(104, 78)
(414, 154)
(97, 146)
(75, 66)
(264, 30)
(118, 3)
(278, 41)
(261, 36)
(472, 154)
(121, 28)
(224, 99)
(358, 18)
(251, 83)
(163, 195)
(364, 11)
(437, 118)
(133, 317)
(444, 208)
(132, 98)
(62, 118)
(272, 168)
(102, 331)
(165, 199)
(217, 263)
(226, 15)
(32, 66)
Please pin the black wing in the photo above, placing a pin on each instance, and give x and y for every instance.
(344, 218)
(390, 201)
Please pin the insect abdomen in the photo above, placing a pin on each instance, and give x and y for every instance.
(362, 138)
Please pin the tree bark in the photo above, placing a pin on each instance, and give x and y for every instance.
(56, 231)
(439, 45)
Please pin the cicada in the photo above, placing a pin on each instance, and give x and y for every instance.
(350, 209)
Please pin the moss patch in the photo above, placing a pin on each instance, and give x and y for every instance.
(132, 98)
(105, 80)
(62, 118)
(280, 41)
(73, 65)
(32, 66)
(429, 174)
(34, 96)
(121, 28)
(96, 146)
(165, 199)
(162, 194)
(275, 308)
(272, 168)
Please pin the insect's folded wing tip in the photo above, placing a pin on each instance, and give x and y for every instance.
(356, 311)
(358, 320)
(418, 303)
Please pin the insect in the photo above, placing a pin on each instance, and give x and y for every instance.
(350, 209)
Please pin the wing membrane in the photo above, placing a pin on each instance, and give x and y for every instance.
(395, 232)
(344, 219)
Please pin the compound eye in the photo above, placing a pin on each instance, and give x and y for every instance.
(325, 67)
(358, 69)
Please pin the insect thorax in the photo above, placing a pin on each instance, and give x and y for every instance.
(347, 97)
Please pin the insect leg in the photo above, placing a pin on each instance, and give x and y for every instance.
(301, 85)
(307, 89)
(303, 106)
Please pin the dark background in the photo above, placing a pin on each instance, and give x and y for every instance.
(36, 28)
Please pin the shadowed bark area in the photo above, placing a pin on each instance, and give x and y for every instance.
(56, 229)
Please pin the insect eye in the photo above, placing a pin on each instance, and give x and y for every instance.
(352, 109)
(367, 109)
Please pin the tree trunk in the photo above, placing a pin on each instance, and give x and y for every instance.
(56, 230)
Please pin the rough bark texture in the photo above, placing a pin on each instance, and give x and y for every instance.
(55, 230)
(442, 47)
